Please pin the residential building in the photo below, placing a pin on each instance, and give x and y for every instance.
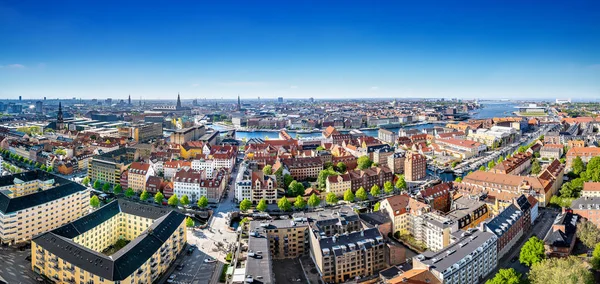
(468, 212)
(463, 149)
(515, 165)
(338, 184)
(415, 276)
(560, 240)
(432, 229)
(386, 136)
(399, 209)
(243, 183)
(508, 227)
(415, 167)
(301, 168)
(207, 166)
(585, 153)
(171, 167)
(367, 178)
(138, 174)
(143, 132)
(438, 197)
(591, 189)
(588, 208)
(534, 208)
(470, 258)
(396, 162)
(75, 252)
(263, 187)
(525, 207)
(287, 238)
(36, 202)
(181, 136)
(107, 167)
(187, 182)
(551, 151)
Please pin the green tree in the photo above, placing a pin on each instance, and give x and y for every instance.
(491, 165)
(287, 180)
(376, 206)
(535, 167)
(295, 189)
(203, 202)
(320, 148)
(349, 196)
(50, 169)
(129, 192)
(189, 222)
(532, 251)
(561, 270)
(185, 200)
(299, 203)
(388, 187)
(361, 194)
(144, 196)
(596, 257)
(268, 170)
(262, 205)
(588, 233)
(341, 167)
(323, 177)
(577, 165)
(505, 276)
(94, 202)
(244, 205)
(500, 159)
(117, 189)
(85, 181)
(364, 162)
(106, 187)
(314, 200)
(284, 204)
(454, 164)
(401, 183)
(159, 197)
(331, 198)
(458, 179)
(59, 151)
(567, 191)
(482, 168)
(375, 190)
(522, 149)
(97, 184)
(173, 200)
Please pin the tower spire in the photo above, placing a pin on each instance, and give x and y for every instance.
(178, 101)
(239, 106)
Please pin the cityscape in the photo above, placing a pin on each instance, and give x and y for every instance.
(375, 143)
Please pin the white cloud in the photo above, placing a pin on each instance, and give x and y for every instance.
(13, 66)
(244, 84)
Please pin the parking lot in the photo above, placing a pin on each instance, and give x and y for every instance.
(195, 269)
(14, 268)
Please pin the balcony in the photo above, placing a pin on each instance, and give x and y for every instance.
(71, 269)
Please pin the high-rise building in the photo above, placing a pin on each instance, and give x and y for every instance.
(39, 107)
(280, 100)
(415, 167)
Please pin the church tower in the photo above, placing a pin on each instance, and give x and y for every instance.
(59, 118)
(178, 107)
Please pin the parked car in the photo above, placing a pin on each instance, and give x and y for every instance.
(172, 278)
(209, 260)
(180, 267)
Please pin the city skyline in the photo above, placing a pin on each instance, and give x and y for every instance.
(464, 50)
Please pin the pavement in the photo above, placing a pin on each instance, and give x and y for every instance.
(15, 269)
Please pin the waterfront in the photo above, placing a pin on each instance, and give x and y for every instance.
(488, 110)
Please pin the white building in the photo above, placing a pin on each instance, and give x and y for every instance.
(243, 183)
(208, 166)
(188, 182)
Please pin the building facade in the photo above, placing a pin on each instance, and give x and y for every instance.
(415, 167)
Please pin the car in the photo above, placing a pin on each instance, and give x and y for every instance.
(180, 267)
(209, 260)
(191, 250)
(172, 278)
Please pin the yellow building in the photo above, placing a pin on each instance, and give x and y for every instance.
(146, 131)
(83, 251)
(107, 167)
(36, 202)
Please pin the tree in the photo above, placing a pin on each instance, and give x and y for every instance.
(454, 164)
(184, 200)
(129, 192)
(299, 203)
(189, 222)
(94, 202)
(588, 233)
(97, 183)
(375, 190)
(596, 257)
(287, 180)
(203, 202)
(106, 187)
(173, 200)
(376, 206)
(331, 198)
(491, 164)
(341, 167)
(532, 251)
(561, 270)
(458, 179)
(482, 168)
(388, 187)
(323, 176)
(262, 205)
(361, 194)
(284, 204)
(159, 197)
(577, 165)
(268, 170)
(244, 205)
(535, 167)
(500, 159)
(320, 148)
(401, 183)
(144, 196)
(364, 162)
(50, 169)
(59, 151)
(85, 181)
(567, 191)
(522, 149)
(349, 195)
(117, 189)
(295, 189)
(314, 200)
(505, 276)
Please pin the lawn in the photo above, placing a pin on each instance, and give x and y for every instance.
(121, 243)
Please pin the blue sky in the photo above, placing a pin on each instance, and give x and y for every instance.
(300, 49)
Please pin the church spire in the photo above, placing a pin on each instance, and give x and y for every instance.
(178, 101)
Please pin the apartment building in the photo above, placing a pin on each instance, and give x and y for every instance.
(432, 229)
(143, 132)
(588, 208)
(347, 256)
(396, 162)
(415, 167)
(438, 197)
(180, 136)
(301, 168)
(551, 151)
(591, 189)
(386, 136)
(207, 166)
(36, 202)
(508, 227)
(287, 238)
(356, 179)
(515, 165)
(243, 183)
(171, 167)
(263, 187)
(107, 167)
(187, 182)
(470, 258)
(560, 240)
(400, 209)
(138, 174)
(76, 252)
(468, 212)
(463, 149)
(585, 153)
(338, 184)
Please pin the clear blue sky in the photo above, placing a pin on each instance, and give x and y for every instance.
(337, 49)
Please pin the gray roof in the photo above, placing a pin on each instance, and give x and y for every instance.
(445, 258)
(586, 203)
(344, 242)
(125, 261)
(259, 267)
(502, 223)
(558, 238)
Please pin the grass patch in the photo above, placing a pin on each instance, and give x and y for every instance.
(121, 243)
(223, 276)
